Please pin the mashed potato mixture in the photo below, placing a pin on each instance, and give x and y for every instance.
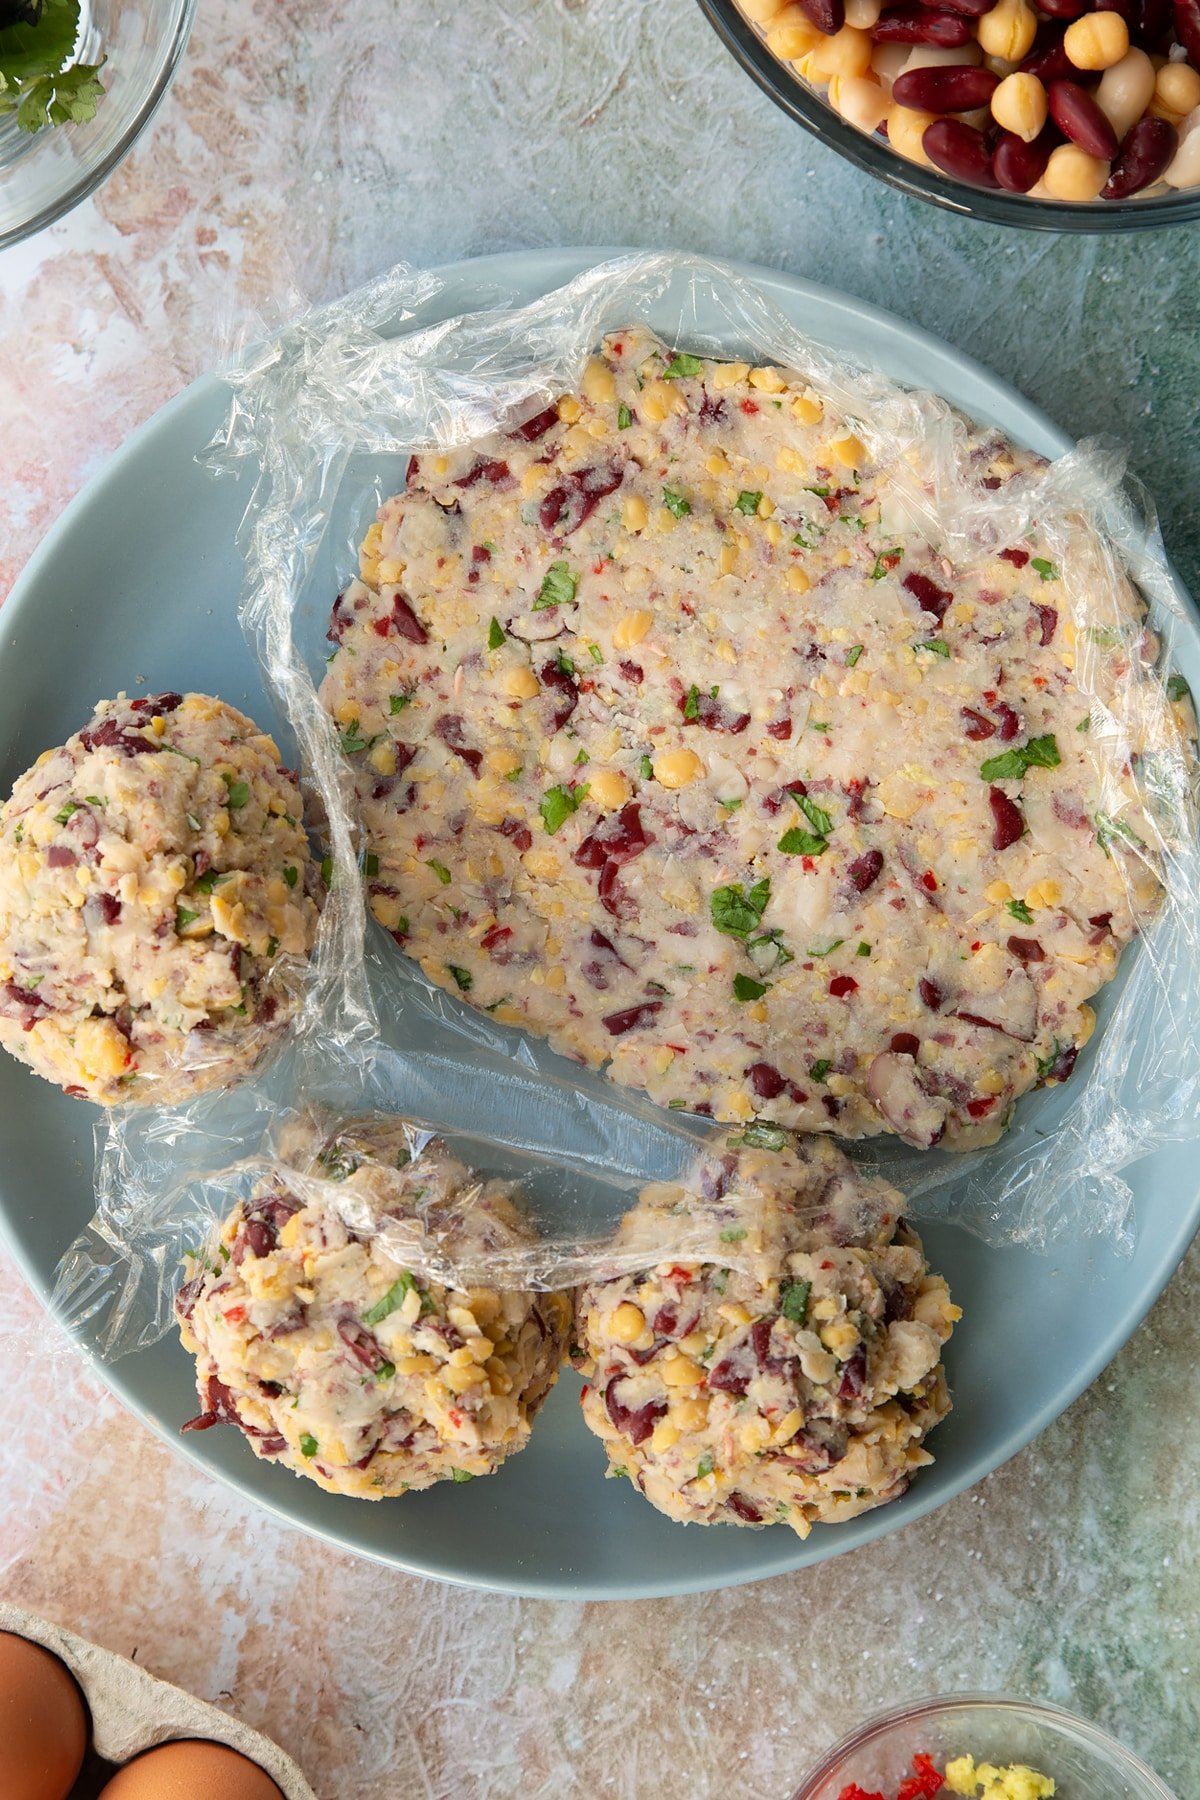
(678, 741)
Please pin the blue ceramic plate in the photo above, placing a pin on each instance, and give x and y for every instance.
(139, 582)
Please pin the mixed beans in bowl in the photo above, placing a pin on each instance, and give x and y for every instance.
(1058, 114)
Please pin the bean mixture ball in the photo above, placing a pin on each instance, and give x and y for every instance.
(1050, 99)
(794, 1382)
(316, 1333)
(677, 740)
(155, 889)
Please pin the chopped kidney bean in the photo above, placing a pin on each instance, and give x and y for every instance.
(1008, 823)
(930, 993)
(631, 1017)
(1187, 28)
(905, 1044)
(402, 622)
(977, 727)
(1079, 118)
(536, 427)
(1026, 950)
(551, 676)
(636, 1423)
(865, 870)
(450, 728)
(1048, 621)
(928, 595)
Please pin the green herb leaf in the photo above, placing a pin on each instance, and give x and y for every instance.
(1085, 724)
(828, 949)
(183, 917)
(496, 634)
(291, 875)
(398, 702)
(884, 562)
(734, 1235)
(747, 501)
(326, 871)
(820, 1069)
(675, 503)
(704, 1467)
(682, 364)
(624, 417)
(691, 706)
(793, 1301)
(581, 756)
(1177, 688)
(308, 1444)
(802, 843)
(392, 1300)
(1020, 911)
(385, 1371)
(72, 806)
(647, 769)
(563, 663)
(853, 654)
(558, 803)
(759, 1136)
(595, 652)
(352, 739)
(239, 793)
(744, 988)
(439, 869)
(1046, 570)
(95, 800)
(820, 820)
(558, 587)
(737, 913)
(822, 493)
(818, 725)
(863, 950)
(204, 884)
(462, 976)
(935, 646)
(461, 1475)
(1110, 831)
(1011, 765)
(721, 1280)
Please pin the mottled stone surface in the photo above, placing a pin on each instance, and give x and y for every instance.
(302, 149)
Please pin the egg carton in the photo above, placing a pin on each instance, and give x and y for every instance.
(134, 1711)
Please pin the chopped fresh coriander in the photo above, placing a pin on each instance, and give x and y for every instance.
(737, 913)
(1020, 911)
(864, 949)
(935, 646)
(515, 774)
(272, 948)
(1085, 724)
(721, 1280)
(647, 769)
(682, 364)
(820, 1069)
(759, 1137)
(558, 587)
(385, 1371)
(675, 503)
(184, 918)
(400, 929)
(352, 739)
(1046, 570)
(1177, 688)
(793, 1301)
(884, 562)
(398, 702)
(617, 1473)
(745, 988)
(581, 756)
(395, 1297)
(624, 417)
(802, 843)
(595, 652)
(747, 501)
(239, 793)
(72, 806)
(734, 1235)
(826, 949)
(370, 864)
(308, 1444)
(461, 1475)
(291, 875)
(36, 44)
(729, 805)
(558, 803)
(1011, 765)
(704, 1467)
(496, 634)
(768, 951)
(691, 706)
(439, 869)
(563, 663)
(95, 800)
(1046, 1063)
(818, 724)
(853, 654)
(462, 976)
(820, 820)
(326, 871)
(1110, 830)
(205, 883)
(19, 834)
(822, 493)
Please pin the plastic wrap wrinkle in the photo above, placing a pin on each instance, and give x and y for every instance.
(315, 415)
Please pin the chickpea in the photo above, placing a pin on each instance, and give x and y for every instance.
(1177, 87)
(906, 128)
(1096, 41)
(1071, 174)
(1008, 30)
(858, 99)
(847, 52)
(1019, 105)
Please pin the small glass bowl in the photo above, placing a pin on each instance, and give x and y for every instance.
(45, 174)
(806, 106)
(1085, 1764)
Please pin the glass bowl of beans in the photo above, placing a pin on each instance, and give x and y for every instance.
(975, 1745)
(1052, 115)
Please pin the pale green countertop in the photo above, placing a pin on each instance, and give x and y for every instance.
(303, 148)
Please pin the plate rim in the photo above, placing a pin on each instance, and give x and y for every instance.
(550, 268)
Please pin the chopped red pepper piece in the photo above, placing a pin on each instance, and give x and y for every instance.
(924, 1784)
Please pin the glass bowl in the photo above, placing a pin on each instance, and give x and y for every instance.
(44, 175)
(1085, 1764)
(806, 106)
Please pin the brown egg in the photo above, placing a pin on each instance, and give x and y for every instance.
(191, 1770)
(43, 1722)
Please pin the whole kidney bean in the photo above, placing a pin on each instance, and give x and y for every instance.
(922, 25)
(1048, 60)
(970, 9)
(1080, 119)
(827, 15)
(1018, 166)
(1153, 22)
(960, 150)
(1064, 9)
(1187, 28)
(951, 88)
(1148, 148)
